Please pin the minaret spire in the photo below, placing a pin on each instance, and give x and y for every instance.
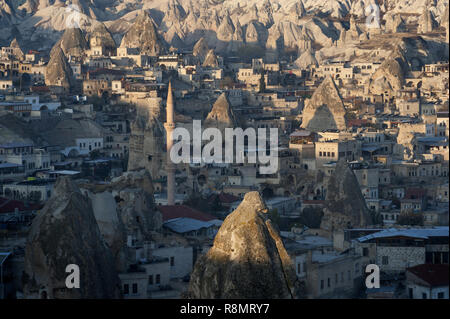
(169, 126)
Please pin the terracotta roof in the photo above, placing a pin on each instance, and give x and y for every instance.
(228, 198)
(415, 193)
(177, 211)
(435, 275)
(9, 205)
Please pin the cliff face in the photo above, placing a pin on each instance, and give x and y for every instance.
(143, 35)
(132, 202)
(66, 232)
(73, 42)
(247, 260)
(345, 206)
(389, 76)
(325, 110)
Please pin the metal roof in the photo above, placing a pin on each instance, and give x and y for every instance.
(3, 257)
(422, 233)
(184, 224)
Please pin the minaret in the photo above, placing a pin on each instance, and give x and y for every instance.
(169, 126)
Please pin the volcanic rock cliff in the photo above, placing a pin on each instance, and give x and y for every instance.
(66, 232)
(248, 259)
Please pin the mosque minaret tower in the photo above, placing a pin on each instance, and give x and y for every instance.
(169, 126)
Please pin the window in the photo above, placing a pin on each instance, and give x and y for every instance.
(299, 268)
(150, 280)
(329, 282)
(158, 279)
(321, 284)
(172, 261)
(126, 289)
(336, 278)
(424, 295)
(440, 295)
(135, 288)
(365, 251)
(385, 260)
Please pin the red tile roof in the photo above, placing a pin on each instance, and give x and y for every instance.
(176, 211)
(9, 205)
(415, 193)
(436, 275)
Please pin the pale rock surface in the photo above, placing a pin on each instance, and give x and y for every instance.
(345, 206)
(248, 259)
(65, 232)
(325, 109)
(221, 115)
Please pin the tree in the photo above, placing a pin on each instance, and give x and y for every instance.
(311, 217)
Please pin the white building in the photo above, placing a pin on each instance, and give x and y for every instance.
(427, 281)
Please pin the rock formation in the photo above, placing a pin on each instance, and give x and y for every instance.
(58, 72)
(73, 42)
(394, 24)
(389, 76)
(325, 109)
(147, 139)
(427, 23)
(100, 36)
(143, 35)
(200, 49)
(211, 60)
(66, 232)
(345, 206)
(306, 60)
(248, 259)
(125, 207)
(221, 115)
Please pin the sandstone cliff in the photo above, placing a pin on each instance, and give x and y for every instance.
(66, 232)
(248, 259)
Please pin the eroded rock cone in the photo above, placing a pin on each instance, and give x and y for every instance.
(248, 259)
(325, 110)
(66, 232)
(345, 206)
